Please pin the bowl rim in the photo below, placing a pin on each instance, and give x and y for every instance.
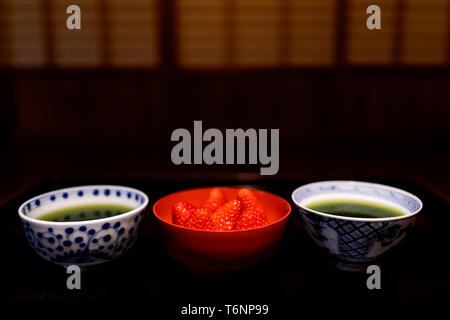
(141, 207)
(327, 215)
(285, 216)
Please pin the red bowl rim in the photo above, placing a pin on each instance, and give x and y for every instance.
(227, 231)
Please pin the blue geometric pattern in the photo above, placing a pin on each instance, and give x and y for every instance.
(355, 239)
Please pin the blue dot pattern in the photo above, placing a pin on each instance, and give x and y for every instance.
(54, 196)
(82, 244)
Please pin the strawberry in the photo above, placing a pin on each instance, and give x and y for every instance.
(225, 217)
(200, 220)
(249, 219)
(252, 214)
(250, 201)
(181, 211)
(215, 200)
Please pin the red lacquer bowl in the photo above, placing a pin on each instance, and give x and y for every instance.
(215, 252)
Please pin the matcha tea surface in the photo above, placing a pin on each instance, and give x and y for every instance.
(355, 208)
(85, 212)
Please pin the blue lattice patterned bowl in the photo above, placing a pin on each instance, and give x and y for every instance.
(83, 242)
(355, 243)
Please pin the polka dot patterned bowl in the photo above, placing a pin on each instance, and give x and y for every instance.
(83, 242)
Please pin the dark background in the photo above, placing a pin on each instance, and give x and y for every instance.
(339, 122)
(343, 118)
(386, 120)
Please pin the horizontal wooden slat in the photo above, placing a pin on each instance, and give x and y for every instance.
(25, 33)
(76, 47)
(223, 33)
(312, 31)
(371, 46)
(426, 32)
(258, 33)
(133, 32)
(200, 33)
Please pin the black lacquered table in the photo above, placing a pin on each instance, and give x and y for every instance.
(297, 277)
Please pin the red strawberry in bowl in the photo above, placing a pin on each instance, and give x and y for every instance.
(215, 200)
(250, 201)
(242, 213)
(209, 247)
(225, 217)
(249, 219)
(199, 220)
(181, 211)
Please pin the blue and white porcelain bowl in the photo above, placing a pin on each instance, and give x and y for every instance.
(83, 242)
(355, 243)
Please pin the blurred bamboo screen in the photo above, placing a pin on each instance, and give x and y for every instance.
(223, 33)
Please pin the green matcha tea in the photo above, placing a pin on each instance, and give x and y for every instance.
(355, 208)
(85, 212)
